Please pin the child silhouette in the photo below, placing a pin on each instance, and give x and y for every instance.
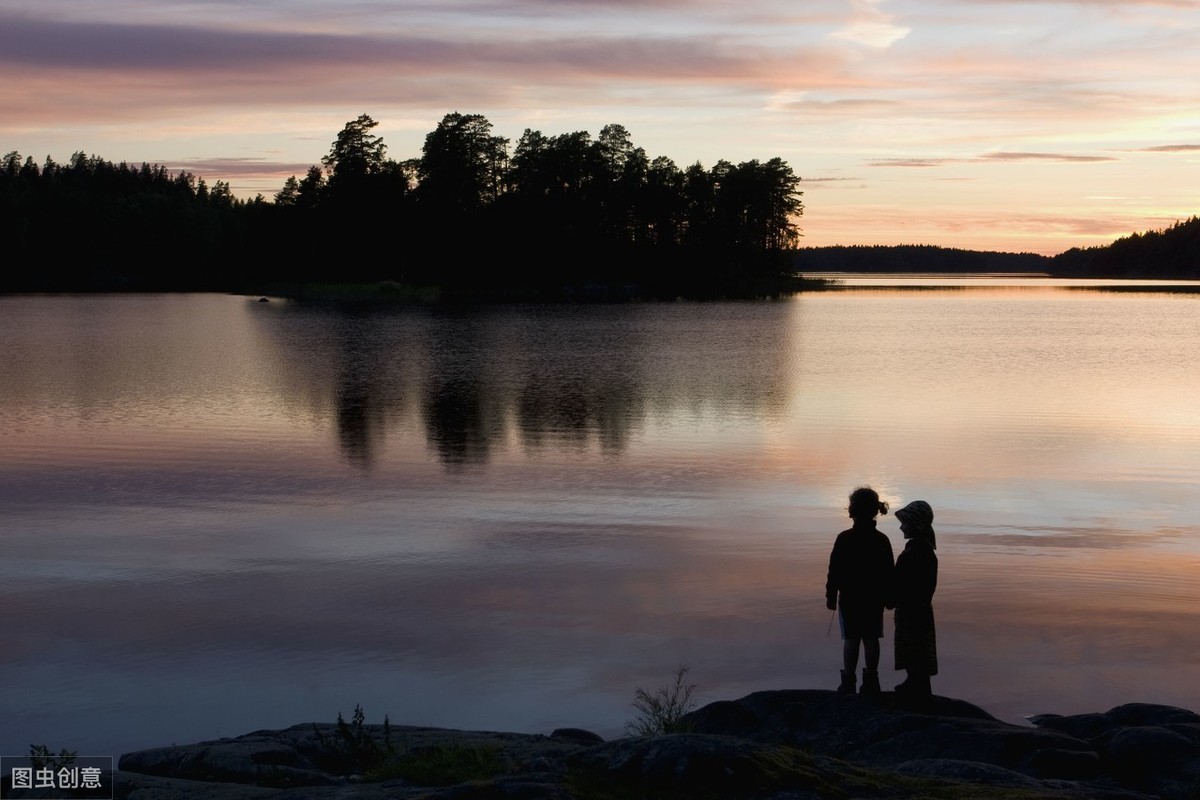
(860, 574)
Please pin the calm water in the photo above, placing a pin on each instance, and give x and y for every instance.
(218, 515)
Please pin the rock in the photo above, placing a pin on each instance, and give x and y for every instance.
(1081, 726)
(1074, 765)
(1089, 726)
(703, 765)
(781, 745)
(315, 761)
(686, 761)
(967, 772)
(1147, 748)
(1150, 714)
(879, 732)
(503, 789)
(577, 735)
(734, 718)
(258, 758)
(137, 786)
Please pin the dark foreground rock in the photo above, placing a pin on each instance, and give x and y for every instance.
(780, 745)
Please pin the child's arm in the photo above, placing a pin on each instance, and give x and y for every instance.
(832, 581)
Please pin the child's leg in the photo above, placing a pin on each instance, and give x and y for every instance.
(871, 651)
(850, 654)
(870, 678)
(849, 663)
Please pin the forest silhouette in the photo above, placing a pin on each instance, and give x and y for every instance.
(557, 216)
(568, 216)
(1173, 252)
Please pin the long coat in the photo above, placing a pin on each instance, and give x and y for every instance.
(914, 582)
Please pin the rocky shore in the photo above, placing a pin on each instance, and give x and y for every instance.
(774, 745)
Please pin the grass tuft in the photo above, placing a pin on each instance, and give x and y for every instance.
(660, 712)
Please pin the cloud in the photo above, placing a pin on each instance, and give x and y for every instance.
(813, 184)
(240, 167)
(143, 49)
(1063, 157)
(1122, 4)
(1067, 158)
(70, 70)
(871, 27)
(51, 44)
(1171, 148)
(137, 80)
(841, 107)
(912, 162)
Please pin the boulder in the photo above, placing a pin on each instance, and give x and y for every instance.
(259, 758)
(1148, 747)
(577, 735)
(885, 733)
(1076, 765)
(1089, 726)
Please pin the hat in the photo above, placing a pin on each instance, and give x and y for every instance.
(917, 513)
(919, 516)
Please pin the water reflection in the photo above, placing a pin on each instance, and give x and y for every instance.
(554, 376)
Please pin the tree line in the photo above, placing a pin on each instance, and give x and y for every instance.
(474, 215)
(1170, 253)
(90, 224)
(914, 258)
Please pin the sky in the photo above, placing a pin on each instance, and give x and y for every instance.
(1013, 125)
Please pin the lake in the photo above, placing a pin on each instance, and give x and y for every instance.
(219, 515)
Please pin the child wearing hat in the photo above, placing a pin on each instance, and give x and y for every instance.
(915, 581)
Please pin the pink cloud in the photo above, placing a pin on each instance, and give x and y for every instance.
(240, 167)
(912, 162)
(178, 50)
(1172, 148)
(93, 71)
(1063, 157)
(844, 106)
(926, 162)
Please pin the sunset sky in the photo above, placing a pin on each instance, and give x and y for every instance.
(1012, 125)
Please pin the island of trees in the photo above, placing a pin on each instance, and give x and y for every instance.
(475, 216)
(553, 216)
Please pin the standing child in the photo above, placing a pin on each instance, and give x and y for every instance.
(860, 574)
(915, 582)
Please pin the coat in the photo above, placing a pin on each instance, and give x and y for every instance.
(860, 569)
(914, 582)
